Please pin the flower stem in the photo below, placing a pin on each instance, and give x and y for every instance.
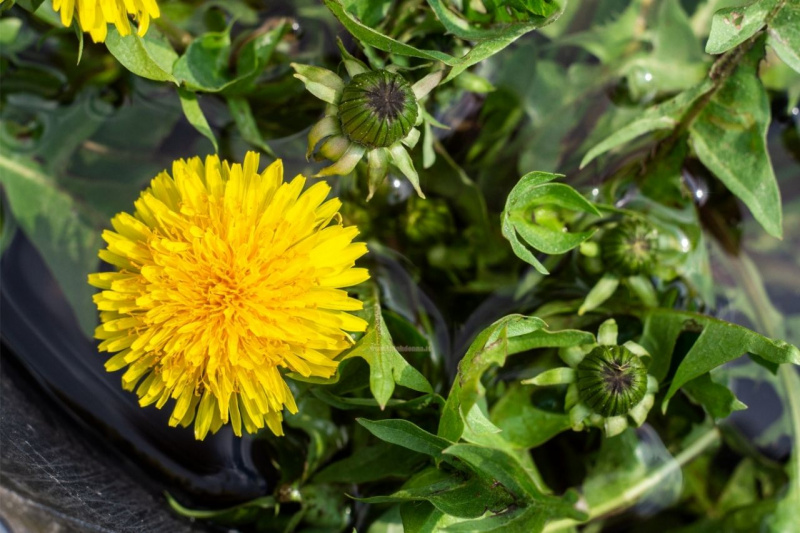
(631, 495)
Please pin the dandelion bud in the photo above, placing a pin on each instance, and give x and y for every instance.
(377, 109)
(611, 380)
(630, 248)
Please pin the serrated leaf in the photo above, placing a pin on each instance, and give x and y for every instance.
(204, 65)
(387, 366)
(371, 463)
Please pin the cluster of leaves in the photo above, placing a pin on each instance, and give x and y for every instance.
(427, 424)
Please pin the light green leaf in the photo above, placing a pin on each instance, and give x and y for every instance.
(531, 212)
(243, 513)
(194, 114)
(387, 366)
(9, 29)
(732, 26)
(600, 293)
(784, 34)
(150, 57)
(554, 376)
(525, 425)
(729, 137)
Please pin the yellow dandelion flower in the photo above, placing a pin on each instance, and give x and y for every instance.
(224, 277)
(94, 16)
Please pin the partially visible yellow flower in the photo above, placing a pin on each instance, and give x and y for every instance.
(94, 16)
(224, 277)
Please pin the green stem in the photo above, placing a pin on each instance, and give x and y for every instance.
(632, 494)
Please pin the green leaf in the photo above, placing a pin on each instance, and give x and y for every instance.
(732, 26)
(246, 123)
(461, 27)
(422, 517)
(408, 435)
(784, 34)
(490, 348)
(521, 520)
(313, 417)
(371, 463)
(239, 514)
(729, 137)
(718, 343)
(150, 57)
(600, 293)
(787, 512)
(479, 52)
(523, 423)
(9, 29)
(387, 366)
(204, 65)
(63, 231)
(194, 114)
(535, 197)
(662, 116)
(453, 494)
(715, 397)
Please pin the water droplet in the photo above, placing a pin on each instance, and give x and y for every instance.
(595, 192)
(685, 244)
(648, 77)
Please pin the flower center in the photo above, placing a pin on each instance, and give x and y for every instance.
(377, 109)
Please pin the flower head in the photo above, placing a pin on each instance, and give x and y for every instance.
(224, 277)
(630, 248)
(608, 384)
(373, 114)
(94, 16)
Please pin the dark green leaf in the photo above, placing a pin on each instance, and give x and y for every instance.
(204, 65)
(371, 464)
(194, 114)
(715, 397)
(408, 435)
(718, 343)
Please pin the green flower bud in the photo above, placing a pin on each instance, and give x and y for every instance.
(630, 248)
(427, 220)
(611, 380)
(377, 109)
